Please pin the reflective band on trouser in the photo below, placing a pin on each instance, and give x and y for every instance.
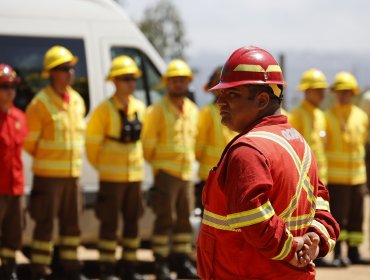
(6, 253)
(355, 238)
(320, 227)
(130, 246)
(41, 252)
(68, 248)
(107, 250)
(70, 241)
(68, 254)
(343, 235)
(182, 243)
(161, 245)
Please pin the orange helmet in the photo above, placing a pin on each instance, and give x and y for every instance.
(8, 75)
(251, 66)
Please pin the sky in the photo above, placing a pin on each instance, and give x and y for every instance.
(331, 35)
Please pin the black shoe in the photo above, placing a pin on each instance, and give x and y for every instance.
(341, 262)
(9, 275)
(185, 268)
(361, 261)
(75, 276)
(107, 271)
(40, 272)
(162, 269)
(128, 271)
(325, 263)
(355, 258)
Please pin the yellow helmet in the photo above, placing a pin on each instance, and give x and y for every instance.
(313, 79)
(56, 56)
(123, 65)
(178, 68)
(345, 81)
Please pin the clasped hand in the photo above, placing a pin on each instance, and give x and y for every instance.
(307, 250)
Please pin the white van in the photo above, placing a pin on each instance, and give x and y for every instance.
(94, 30)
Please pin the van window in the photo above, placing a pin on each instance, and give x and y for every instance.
(149, 88)
(26, 56)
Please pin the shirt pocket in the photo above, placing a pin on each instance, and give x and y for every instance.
(205, 252)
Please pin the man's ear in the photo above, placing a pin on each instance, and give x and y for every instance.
(263, 100)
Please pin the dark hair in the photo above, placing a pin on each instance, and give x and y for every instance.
(257, 89)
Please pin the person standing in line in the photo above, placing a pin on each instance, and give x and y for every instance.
(365, 105)
(114, 148)
(309, 120)
(347, 131)
(211, 139)
(13, 131)
(168, 136)
(264, 202)
(56, 123)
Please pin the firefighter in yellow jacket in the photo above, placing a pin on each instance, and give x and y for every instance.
(168, 137)
(114, 148)
(211, 139)
(347, 129)
(365, 105)
(55, 141)
(309, 120)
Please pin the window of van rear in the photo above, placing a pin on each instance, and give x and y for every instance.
(26, 56)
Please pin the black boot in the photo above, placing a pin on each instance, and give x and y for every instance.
(354, 256)
(184, 267)
(129, 271)
(75, 275)
(107, 271)
(8, 271)
(40, 272)
(339, 260)
(324, 263)
(161, 268)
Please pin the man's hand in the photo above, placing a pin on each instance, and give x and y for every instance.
(307, 250)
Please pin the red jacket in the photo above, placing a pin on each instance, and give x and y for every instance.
(264, 191)
(13, 131)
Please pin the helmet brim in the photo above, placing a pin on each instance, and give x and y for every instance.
(221, 85)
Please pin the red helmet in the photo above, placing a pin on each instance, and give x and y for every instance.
(8, 75)
(250, 65)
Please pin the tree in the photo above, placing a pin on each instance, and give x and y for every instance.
(164, 28)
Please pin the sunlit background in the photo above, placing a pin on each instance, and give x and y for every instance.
(329, 35)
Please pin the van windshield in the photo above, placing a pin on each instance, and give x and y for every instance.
(149, 88)
(26, 56)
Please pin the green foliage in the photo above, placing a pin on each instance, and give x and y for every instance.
(163, 27)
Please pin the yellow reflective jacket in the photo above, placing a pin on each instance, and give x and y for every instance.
(211, 139)
(365, 105)
(169, 137)
(347, 129)
(311, 123)
(115, 161)
(57, 130)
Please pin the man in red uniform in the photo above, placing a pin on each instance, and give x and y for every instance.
(13, 130)
(264, 198)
